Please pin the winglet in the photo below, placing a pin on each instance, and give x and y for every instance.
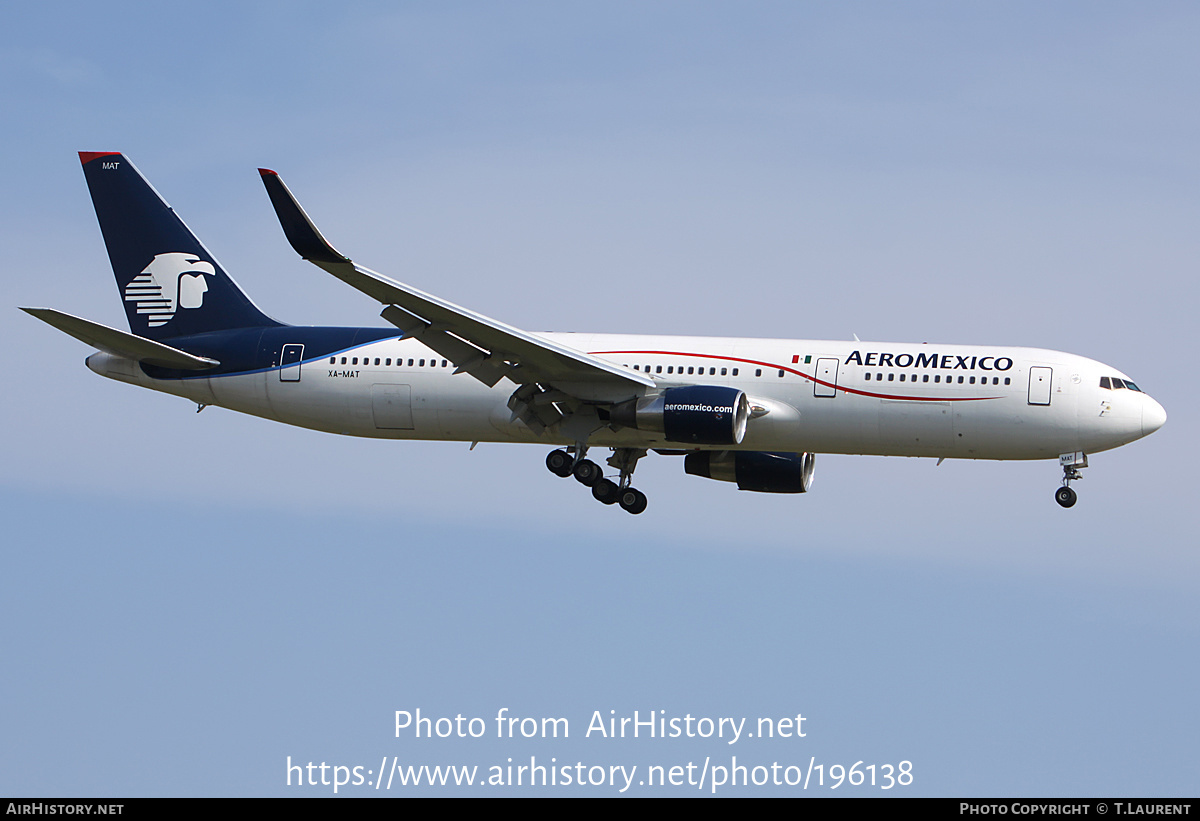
(297, 227)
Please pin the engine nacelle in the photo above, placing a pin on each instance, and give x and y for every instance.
(696, 414)
(752, 470)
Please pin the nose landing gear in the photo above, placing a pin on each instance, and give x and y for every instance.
(1071, 463)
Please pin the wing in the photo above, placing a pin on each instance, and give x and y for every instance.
(483, 347)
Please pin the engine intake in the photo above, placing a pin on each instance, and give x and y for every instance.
(696, 414)
(754, 470)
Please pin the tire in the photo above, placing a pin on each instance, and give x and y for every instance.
(587, 473)
(1065, 496)
(559, 463)
(606, 491)
(633, 500)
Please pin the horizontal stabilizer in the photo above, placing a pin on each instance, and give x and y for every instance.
(120, 343)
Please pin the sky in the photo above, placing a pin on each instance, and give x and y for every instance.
(270, 597)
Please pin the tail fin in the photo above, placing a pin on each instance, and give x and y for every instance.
(172, 286)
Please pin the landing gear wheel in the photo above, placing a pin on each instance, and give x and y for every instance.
(559, 463)
(606, 491)
(587, 472)
(1065, 496)
(633, 500)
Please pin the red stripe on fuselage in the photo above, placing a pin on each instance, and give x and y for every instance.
(801, 373)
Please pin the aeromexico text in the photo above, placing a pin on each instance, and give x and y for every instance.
(679, 406)
(949, 362)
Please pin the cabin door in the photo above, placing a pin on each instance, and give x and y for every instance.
(289, 363)
(826, 381)
(1039, 385)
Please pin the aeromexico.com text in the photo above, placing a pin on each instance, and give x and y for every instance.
(676, 406)
(949, 362)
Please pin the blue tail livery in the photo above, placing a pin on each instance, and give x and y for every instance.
(170, 283)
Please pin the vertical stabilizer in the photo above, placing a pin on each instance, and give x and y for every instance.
(170, 283)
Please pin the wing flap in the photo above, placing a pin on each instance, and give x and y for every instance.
(467, 358)
(120, 343)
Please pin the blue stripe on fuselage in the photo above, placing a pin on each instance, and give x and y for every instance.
(254, 350)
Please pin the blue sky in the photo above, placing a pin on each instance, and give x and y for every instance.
(1020, 175)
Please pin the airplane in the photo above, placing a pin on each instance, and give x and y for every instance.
(753, 412)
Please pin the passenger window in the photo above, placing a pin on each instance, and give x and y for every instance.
(333, 360)
(722, 371)
(758, 371)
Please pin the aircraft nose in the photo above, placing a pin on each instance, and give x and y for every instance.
(1153, 416)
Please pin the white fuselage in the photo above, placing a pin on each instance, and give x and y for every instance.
(952, 401)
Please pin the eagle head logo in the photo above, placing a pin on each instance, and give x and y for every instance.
(169, 282)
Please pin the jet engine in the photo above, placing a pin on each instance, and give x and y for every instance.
(752, 470)
(696, 414)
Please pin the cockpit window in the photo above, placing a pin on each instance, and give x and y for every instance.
(1116, 383)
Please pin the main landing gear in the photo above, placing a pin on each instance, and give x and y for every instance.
(571, 462)
(1071, 463)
